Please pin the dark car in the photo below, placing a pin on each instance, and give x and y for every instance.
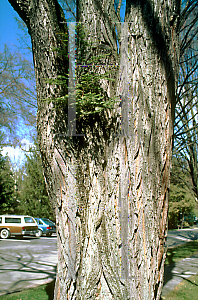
(45, 226)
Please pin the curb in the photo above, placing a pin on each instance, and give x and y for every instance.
(30, 286)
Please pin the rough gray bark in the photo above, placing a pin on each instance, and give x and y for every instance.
(154, 58)
(110, 190)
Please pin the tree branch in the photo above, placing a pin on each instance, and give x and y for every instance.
(22, 7)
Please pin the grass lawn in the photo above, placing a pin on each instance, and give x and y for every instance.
(186, 290)
(42, 292)
(180, 252)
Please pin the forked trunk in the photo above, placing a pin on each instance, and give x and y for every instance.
(109, 189)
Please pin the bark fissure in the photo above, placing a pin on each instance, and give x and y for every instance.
(109, 189)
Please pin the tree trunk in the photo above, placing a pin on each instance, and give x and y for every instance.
(109, 189)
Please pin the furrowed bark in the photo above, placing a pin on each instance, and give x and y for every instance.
(153, 53)
(109, 189)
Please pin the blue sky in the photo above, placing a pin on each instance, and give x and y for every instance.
(9, 34)
(8, 25)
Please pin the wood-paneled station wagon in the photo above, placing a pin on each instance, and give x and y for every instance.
(17, 225)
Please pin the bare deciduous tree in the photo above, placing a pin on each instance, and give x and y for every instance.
(17, 91)
(186, 119)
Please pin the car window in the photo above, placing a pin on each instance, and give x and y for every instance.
(0, 219)
(29, 220)
(48, 222)
(40, 222)
(12, 220)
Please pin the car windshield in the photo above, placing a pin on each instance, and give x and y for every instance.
(29, 220)
(48, 222)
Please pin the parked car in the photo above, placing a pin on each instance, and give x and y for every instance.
(17, 225)
(45, 226)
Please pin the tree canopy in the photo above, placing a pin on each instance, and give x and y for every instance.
(182, 199)
(7, 186)
(31, 194)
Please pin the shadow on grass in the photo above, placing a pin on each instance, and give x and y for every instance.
(168, 274)
(50, 290)
(176, 254)
(180, 252)
(190, 281)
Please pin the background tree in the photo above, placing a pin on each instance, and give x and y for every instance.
(31, 190)
(186, 132)
(17, 95)
(181, 200)
(109, 191)
(7, 186)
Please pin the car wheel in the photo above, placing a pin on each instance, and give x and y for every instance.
(5, 234)
(39, 233)
(48, 234)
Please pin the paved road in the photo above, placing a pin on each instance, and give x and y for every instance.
(31, 261)
(182, 236)
(178, 271)
(185, 268)
(26, 262)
